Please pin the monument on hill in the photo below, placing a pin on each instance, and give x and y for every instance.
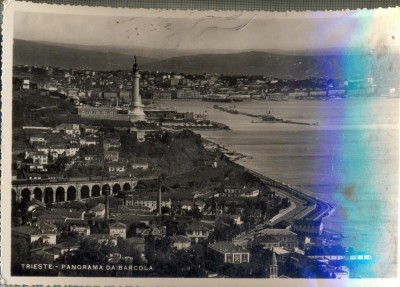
(136, 112)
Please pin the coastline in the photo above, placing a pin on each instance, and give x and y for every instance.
(316, 209)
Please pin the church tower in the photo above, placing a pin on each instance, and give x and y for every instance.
(273, 268)
(136, 109)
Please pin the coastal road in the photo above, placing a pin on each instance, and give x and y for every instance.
(306, 206)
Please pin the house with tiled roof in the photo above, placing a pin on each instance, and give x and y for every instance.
(51, 218)
(32, 234)
(48, 254)
(116, 168)
(267, 241)
(117, 229)
(197, 232)
(102, 238)
(47, 227)
(287, 238)
(186, 205)
(181, 242)
(111, 155)
(79, 226)
(154, 231)
(35, 204)
(308, 227)
(99, 210)
(69, 129)
(225, 252)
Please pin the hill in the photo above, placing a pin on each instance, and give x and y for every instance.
(281, 66)
(354, 63)
(71, 56)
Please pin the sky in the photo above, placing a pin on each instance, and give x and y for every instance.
(212, 30)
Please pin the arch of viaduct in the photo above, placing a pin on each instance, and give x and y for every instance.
(70, 191)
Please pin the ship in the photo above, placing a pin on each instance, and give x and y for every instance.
(216, 98)
(270, 118)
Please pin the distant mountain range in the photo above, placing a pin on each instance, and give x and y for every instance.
(329, 63)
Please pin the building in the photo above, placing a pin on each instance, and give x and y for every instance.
(37, 138)
(267, 241)
(48, 254)
(103, 239)
(90, 157)
(101, 113)
(226, 252)
(186, 205)
(32, 234)
(140, 165)
(111, 155)
(69, 129)
(39, 157)
(181, 242)
(111, 96)
(341, 272)
(82, 230)
(99, 210)
(116, 168)
(25, 85)
(111, 143)
(125, 97)
(231, 191)
(88, 141)
(197, 232)
(309, 227)
(154, 231)
(35, 204)
(287, 238)
(148, 199)
(161, 95)
(187, 94)
(117, 229)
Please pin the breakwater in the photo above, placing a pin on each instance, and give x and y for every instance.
(269, 118)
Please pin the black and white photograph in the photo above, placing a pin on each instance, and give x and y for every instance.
(145, 143)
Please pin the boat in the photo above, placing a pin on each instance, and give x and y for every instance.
(270, 118)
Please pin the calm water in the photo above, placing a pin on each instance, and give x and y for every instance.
(350, 159)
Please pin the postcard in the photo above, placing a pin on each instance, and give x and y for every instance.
(145, 147)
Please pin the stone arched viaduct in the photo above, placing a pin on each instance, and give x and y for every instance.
(70, 190)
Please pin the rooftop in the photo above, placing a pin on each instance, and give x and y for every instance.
(278, 232)
(180, 239)
(226, 247)
(117, 225)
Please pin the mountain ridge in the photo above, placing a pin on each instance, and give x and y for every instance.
(239, 63)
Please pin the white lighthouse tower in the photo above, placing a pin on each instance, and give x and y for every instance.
(136, 109)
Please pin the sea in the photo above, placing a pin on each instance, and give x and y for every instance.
(348, 156)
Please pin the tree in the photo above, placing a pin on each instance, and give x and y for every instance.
(132, 230)
(19, 255)
(196, 213)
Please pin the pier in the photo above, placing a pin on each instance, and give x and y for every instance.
(264, 118)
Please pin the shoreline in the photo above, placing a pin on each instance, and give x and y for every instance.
(316, 209)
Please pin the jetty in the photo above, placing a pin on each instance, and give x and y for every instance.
(269, 118)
